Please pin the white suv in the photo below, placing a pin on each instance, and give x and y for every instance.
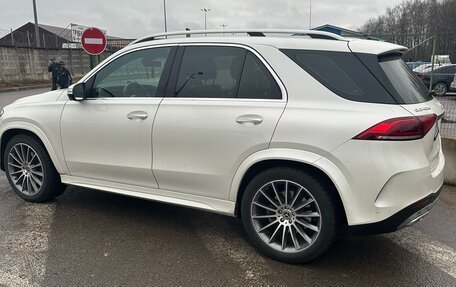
(300, 135)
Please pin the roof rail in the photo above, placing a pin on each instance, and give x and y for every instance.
(250, 32)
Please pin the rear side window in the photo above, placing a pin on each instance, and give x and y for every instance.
(343, 74)
(408, 88)
(256, 81)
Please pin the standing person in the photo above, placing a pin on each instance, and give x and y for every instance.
(52, 68)
(63, 76)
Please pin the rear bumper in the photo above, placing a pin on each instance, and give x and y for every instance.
(406, 217)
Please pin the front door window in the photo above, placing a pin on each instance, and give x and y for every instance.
(136, 74)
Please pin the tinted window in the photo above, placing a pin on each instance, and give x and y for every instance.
(135, 74)
(343, 74)
(450, 70)
(256, 81)
(408, 87)
(209, 72)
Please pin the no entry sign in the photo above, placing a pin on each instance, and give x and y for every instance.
(93, 41)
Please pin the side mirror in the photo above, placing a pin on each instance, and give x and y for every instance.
(76, 92)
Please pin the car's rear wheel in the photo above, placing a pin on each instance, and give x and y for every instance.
(30, 170)
(289, 215)
(440, 89)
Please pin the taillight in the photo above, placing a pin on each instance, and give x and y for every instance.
(421, 76)
(400, 129)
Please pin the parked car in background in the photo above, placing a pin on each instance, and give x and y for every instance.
(414, 65)
(443, 77)
(428, 66)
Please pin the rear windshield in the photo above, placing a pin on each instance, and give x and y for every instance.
(342, 73)
(408, 87)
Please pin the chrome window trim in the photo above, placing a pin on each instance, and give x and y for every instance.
(124, 98)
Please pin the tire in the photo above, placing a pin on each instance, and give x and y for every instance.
(440, 89)
(30, 171)
(311, 212)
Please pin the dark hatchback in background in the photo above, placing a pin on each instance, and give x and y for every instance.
(443, 77)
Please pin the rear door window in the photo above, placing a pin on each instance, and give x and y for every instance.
(343, 74)
(209, 72)
(447, 71)
(222, 72)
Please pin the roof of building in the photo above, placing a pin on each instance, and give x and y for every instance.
(325, 26)
(344, 32)
(61, 32)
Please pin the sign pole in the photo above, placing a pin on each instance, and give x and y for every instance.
(93, 61)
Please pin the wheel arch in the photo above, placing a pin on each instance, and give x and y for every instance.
(34, 132)
(306, 162)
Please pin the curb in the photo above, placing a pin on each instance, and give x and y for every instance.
(15, 89)
(449, 150)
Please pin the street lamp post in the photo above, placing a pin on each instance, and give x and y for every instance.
(37, 32)
(205, 19)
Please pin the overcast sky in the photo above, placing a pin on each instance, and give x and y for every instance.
(134, 18)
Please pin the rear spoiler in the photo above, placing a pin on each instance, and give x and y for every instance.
(375, 47)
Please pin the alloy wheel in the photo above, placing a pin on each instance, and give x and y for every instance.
(25, 169)
(286, 216)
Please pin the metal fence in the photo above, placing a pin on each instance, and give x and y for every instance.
(448, 127)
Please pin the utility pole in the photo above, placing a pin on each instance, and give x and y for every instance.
(37, 32)
(310, 15)
(164, 12)
(432, 63)
(205, 19)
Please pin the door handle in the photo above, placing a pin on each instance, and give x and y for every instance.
(137, 115)
(249, 120)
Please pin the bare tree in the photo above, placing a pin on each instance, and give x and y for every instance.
(412, 21)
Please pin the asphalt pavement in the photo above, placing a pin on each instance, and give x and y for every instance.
(9, 97)
(91, 238)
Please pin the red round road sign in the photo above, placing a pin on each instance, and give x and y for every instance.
(93, 41)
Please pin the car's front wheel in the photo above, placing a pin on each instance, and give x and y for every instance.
(440, 89)
(30, 170)
(289, 215)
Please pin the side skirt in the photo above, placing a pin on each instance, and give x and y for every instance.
(220, 206)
